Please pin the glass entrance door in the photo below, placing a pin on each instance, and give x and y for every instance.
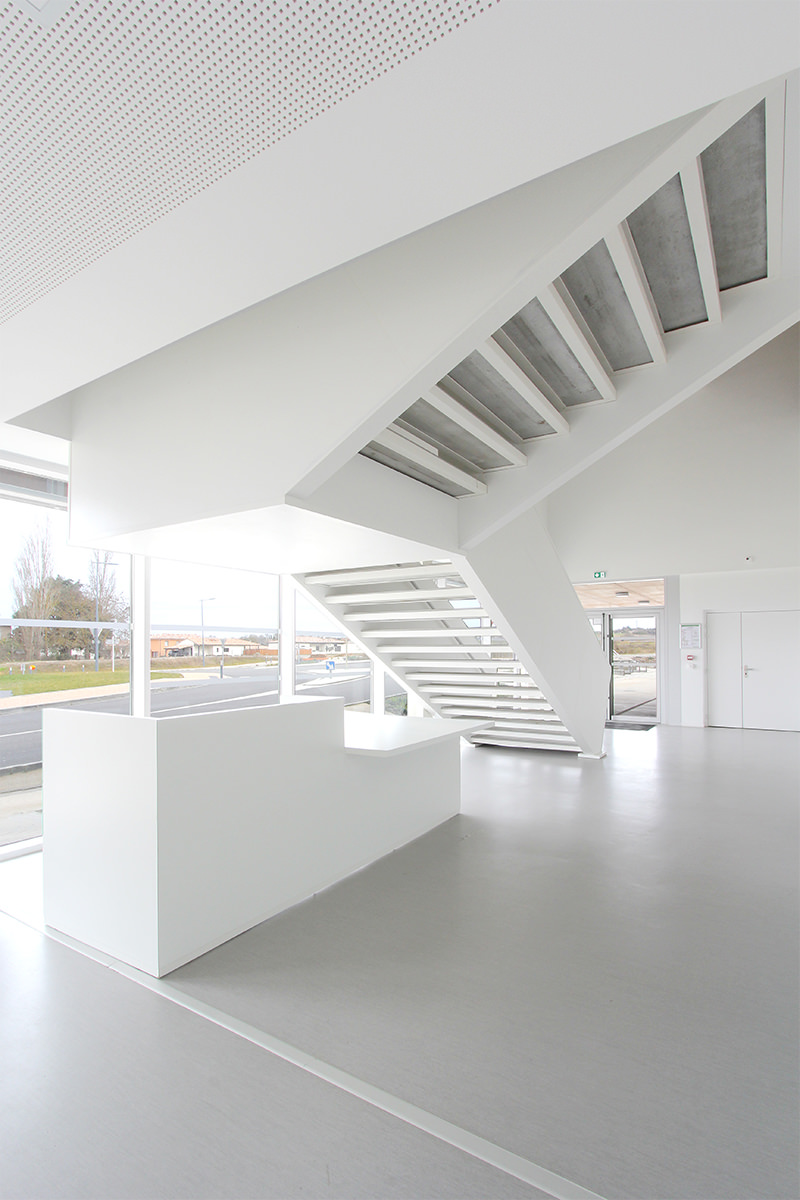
(625, 616)
(632, 642)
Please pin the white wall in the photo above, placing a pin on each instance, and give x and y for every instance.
(739, 591)
(713, 481)
(100, 832)
(260, 808)
(228, 837)
(670, 697)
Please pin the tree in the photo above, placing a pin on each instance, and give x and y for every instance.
(32, 588)
(108, 604)
(70, 603)
(41, 596)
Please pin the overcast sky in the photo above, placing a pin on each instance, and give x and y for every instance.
(231, 598)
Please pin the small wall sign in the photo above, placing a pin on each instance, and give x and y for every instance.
(691, 637)
(599, 574)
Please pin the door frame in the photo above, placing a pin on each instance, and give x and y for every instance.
(605, 614)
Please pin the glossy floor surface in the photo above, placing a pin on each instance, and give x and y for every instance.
(594, 967)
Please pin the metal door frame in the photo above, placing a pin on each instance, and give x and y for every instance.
(606, 615)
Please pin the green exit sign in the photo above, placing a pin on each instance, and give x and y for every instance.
(599, 574)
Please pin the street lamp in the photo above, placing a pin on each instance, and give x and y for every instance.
(203, 627)
(107, 563)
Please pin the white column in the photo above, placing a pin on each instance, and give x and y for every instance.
(416, 706)
(140, 636)
(287, 637)
(377, 696)
(669, 654)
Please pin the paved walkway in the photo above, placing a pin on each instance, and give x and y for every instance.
(21, 814)
(37, 699)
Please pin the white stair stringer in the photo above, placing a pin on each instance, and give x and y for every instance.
(413, 620)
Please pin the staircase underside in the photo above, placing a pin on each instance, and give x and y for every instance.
(423, 624)
(712, 227)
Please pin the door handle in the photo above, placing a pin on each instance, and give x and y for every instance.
(747, 671)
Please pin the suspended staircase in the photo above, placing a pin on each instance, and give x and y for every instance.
(430, 632)
(548, 386)
(606, 323)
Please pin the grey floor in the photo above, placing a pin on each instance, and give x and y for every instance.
(594, 967)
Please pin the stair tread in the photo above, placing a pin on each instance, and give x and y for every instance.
(400, 597)
(520, 683)
(521, 725)
(553, 729)
(478, 689)
(432, 633)
(467, 662)
(490, 714)
(420, 614)
(391, 573)
(464, 700)
(531, 744)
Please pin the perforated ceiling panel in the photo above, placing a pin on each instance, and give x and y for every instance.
(123, 109)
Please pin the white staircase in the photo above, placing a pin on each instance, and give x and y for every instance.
(431, 633)
(607, 322)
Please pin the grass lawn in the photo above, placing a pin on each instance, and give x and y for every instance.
(33, 683)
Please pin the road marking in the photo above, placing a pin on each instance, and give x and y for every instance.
(323, 681)
(328, 681)
(21, 733)
(453, 1135)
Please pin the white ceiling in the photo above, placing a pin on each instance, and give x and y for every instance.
(172, 163)
(121, 112)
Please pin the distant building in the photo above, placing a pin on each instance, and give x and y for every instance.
(191, 645)
(308, 645)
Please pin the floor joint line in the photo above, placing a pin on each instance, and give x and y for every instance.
(472, 1144)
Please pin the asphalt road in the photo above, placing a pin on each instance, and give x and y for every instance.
(242, 687)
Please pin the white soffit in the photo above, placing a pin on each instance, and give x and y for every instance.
(37, 452)
(198, 218)
(280, 540)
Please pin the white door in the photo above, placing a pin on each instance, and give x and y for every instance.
(771, 670)
(724, 650)
(754, 670)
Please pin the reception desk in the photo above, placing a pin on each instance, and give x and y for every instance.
(164, 838)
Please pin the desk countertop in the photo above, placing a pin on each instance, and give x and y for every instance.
(368, 734)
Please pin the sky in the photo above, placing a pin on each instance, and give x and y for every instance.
(231, 599)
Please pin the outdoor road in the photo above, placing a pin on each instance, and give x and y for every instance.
(242, 687)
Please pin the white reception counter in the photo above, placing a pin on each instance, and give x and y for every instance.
(164, 838)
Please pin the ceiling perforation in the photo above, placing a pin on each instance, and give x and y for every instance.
(120, 112)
